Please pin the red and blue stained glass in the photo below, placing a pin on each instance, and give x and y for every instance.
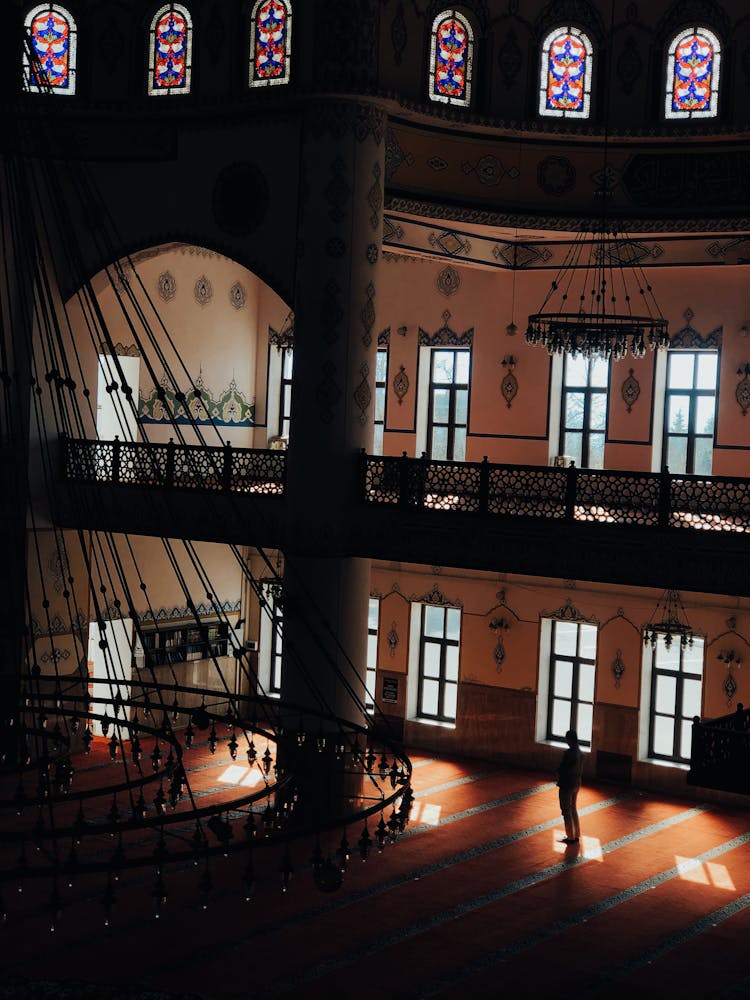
(271, 30)
(693, 72)
(52, 35)
(565, 77)
(450, 59)
(171, 52)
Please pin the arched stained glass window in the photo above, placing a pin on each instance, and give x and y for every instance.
(49, 56)
(693, 65)
(451, 57)
(270, 42)
(170, 51)
(565, 76)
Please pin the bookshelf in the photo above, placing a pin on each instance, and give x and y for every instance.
(182, 643)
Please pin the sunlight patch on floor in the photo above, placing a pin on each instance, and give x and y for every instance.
(425, 813)
(236, 774)
(705, 873)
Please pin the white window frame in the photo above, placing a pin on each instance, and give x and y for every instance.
(268, 639)
(274, 417)
(415, 661)
(543, 688)
(645, 713)
(371, 672)
(424, 396)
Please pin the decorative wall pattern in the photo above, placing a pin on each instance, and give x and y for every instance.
(445, 336)
(166, 285)
(164, 405)
(203, 290)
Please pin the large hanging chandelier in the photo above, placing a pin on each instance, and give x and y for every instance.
(669, 621)
(599, 303)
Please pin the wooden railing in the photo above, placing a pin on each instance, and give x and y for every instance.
(720, 752)
(565, 494)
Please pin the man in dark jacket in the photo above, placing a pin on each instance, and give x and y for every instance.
(569, 783)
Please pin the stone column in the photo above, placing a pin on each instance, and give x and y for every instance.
(339, 240)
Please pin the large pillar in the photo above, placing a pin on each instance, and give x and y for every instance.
(333, 393)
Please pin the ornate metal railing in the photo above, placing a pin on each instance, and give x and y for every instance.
(565, 494)
(720, 752)
(177, 466)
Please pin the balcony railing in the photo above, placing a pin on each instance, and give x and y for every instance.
(720, 753)
(571, 494)
(176, 466)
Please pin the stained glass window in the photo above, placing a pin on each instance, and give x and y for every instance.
(49, 55)
(693, 64)
(170, 51)
(451, 56)
(270, 42)
(565, 76)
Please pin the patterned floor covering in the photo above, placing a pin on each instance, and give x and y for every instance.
(478, 898)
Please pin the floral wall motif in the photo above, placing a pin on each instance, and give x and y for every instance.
(229, 408)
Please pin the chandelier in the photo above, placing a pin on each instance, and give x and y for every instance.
(669, 621)
(599, 303)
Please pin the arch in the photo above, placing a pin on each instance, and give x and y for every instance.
(270, 43)
(566, 68)
(170, 50)
(692, 74)
(451, 59)
(52, 36)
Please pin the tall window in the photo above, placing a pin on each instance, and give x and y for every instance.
(271, 637)
(373, 616)
(448, 404)
(690, 410)
(572, 668)
(440, 638)
(49, 53)
(693, 69)
(170, 51)
(381, 383)
(451, 57)
(270, 43)
(676, 683)
(285, 391)
(583, 420)
(565, 74)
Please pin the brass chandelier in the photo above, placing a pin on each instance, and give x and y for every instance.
(599, 303)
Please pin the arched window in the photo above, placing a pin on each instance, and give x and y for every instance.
(693, 64)
(565, 74)
(170, 51)
(451, 57)
(49, 54)
(270, 42)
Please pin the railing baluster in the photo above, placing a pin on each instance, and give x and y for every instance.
(571, 485)
(117, 444)
(169, 471)
(665, 481)
(226, 469)
(483, 499)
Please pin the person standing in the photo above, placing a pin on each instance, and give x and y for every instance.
(569, 783)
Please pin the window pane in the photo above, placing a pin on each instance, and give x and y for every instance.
(373, 610)
(560, 718)
(574, 410)
(379, 404)
(692, 658)
(434, 621)
(462, 367)
(442, 366)
(596, 451)
(706, 375)
(573, 447)
(459, 444)
(680, 371)
(678, 414)
(691, 698)
(677, 454)
(288, 363)
(576, 370)
(381, 366)
(666, 694)
(663, 736)
(667, 656)
(584, 724)
(599, 373)
(377, 439)
(563, 679)
(686, 739)
(703, 457)
(439, 449)
(462, 406)
(430, 691)
(441, 402)
(586, 682)
(598, 412)
(566, 638)
(705, 407)
(453, 624)
(451, 663)
(450, 695)
(372, 650)
(431, 660)
(587, 641)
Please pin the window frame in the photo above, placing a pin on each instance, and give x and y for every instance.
(669, 79)
(575, 699)
(542, 109)
(586, 431)
(381, 393)
(184, 90)
(451, 13)
(72, 67)
(371, 668)
(453, 387)
(693, 394)
(680, 676)
(252, 81)
(271, 637)
(443, 643)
